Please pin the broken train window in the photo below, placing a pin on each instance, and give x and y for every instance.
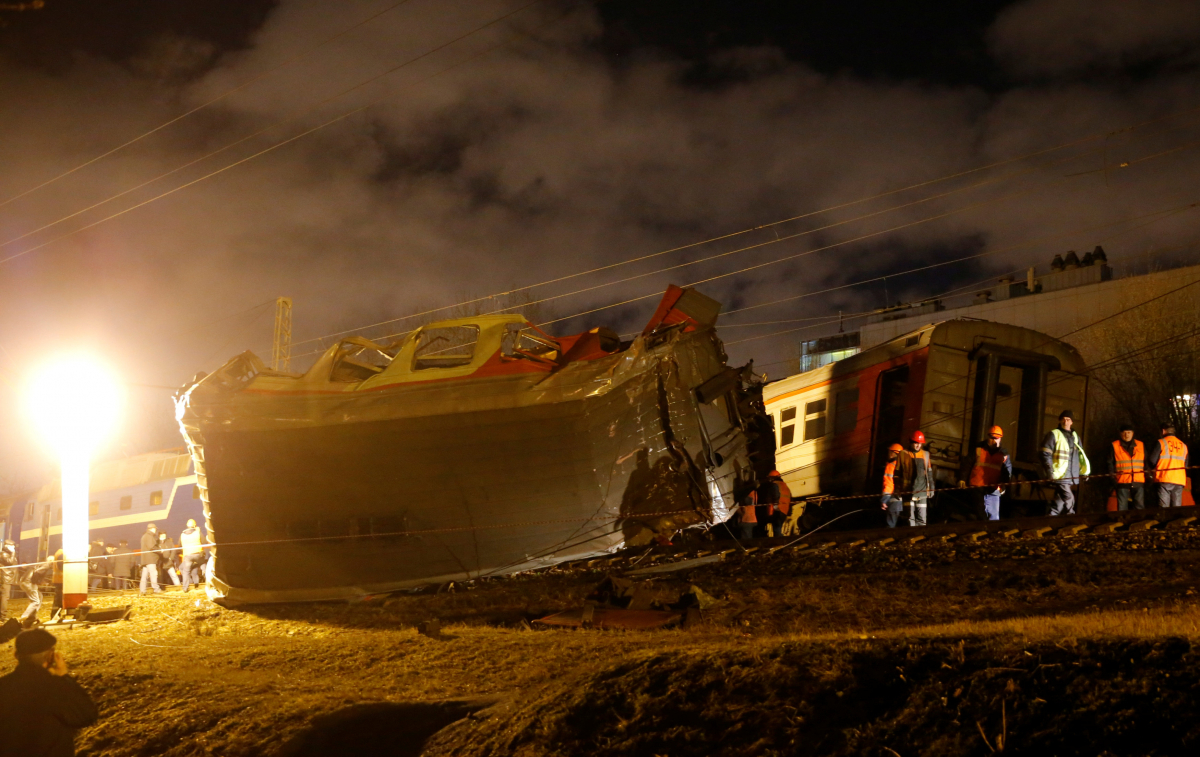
(525, 341)
(445, 347)
(359, 359)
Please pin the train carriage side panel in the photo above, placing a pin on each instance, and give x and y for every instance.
(951, 379)
(157, 488)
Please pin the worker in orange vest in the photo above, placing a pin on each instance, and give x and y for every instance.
(1127, 466)
(1168, 460)
(992, 469)
(917, 470)
(890, 502)
(783, 505)
(748, 516)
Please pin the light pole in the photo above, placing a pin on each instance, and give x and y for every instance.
(73, 402)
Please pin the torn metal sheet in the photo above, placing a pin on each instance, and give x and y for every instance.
(467, 448)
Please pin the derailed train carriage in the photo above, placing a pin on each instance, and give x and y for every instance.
(468, 448)
(952, 380)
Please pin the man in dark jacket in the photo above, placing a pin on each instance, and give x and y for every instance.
(122, 565)
(148, 559)
(41, 706)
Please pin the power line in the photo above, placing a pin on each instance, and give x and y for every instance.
(947, 177)
(287, 62)
(289, 140)
(1164, 213)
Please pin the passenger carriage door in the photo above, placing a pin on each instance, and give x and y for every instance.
(889, 414)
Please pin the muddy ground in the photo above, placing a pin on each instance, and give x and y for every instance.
(1081, 645)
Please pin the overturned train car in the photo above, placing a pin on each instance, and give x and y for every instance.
(468, 448)
(953, 381)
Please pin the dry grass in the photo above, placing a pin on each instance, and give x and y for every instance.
(911, 659)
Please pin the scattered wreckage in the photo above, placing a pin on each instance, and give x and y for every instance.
(468, 448)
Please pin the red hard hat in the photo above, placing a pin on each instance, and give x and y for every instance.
(895, 448)
(918, 437)
(996, 431)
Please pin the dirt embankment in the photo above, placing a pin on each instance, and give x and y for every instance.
(1073, 646)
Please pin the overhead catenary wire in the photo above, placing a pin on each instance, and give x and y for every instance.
(862, 314)
(1163, 213)
(887, 193)
(291, 139)
(1153, 216)
(211, 101)
(794, 256)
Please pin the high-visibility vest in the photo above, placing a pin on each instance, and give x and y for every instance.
(889, 476)
(1131, 469)
(1060, 456)
(190, 541)
(988, 466)
(1172, 456)
(785, 497)
(923, 455)
(748, 510)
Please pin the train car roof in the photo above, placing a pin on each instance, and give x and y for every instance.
(964, 334)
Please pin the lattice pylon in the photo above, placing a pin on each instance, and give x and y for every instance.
(281, 346)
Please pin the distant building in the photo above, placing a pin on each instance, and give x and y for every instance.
(815, 353)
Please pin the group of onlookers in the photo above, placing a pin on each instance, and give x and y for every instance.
(109, 567)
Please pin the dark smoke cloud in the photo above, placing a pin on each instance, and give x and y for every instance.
(537, 160)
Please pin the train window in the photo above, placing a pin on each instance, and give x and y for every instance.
(155, 499)
(787, 426)
(126, 503)
(445, 347)
(94, 508)
(845, 417)
(814, 420)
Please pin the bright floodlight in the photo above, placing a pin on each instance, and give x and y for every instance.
(73, 402)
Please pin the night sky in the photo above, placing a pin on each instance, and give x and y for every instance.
(562, 137)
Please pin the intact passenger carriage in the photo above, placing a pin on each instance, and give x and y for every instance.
(125, 495)
(952, 380)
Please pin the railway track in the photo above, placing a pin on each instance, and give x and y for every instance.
(662, 559)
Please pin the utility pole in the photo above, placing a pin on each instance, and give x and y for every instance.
(281, 347)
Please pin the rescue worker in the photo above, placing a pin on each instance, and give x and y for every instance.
(918, 479)
(1127, 466)
(193, 554)
(890, 502)
(1168, 460)
(148, 559)
(41, 706)
(1064, 462)
(783, 504)
(748, 516)
(8, 574)
(992, 469)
